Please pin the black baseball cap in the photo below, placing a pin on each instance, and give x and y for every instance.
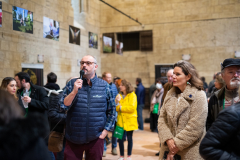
(230, 62)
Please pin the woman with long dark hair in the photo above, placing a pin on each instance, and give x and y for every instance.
(9, 84)
(182, 119)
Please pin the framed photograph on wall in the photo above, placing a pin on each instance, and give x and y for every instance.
(107, 44)
(93, 40)
(119, 47)
(74, 35)
(35, 72)
(50, 29)
(22, 20)
(162, 69)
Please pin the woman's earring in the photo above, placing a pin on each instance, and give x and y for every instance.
(189, 83)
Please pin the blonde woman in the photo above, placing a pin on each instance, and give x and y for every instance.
(127, 115)
(182, 119)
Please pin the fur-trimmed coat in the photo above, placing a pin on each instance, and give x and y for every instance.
(182, 118)
(23, 139)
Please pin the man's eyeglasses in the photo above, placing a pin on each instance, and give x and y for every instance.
(87, 63)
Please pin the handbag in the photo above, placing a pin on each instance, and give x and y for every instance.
(55, 141)
(155, 108)
(118, 132)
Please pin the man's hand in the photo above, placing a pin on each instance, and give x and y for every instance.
(104, 134)
(77, 85)
(27, 99)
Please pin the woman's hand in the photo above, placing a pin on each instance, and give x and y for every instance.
(172, 146)
(170, 156)
(118, 98)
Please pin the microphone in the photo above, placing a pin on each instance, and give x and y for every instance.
(81, 74)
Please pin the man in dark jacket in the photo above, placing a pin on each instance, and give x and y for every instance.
(140, 92)
(51, 82)
(87, 101)
(37, 99)
(222, 140)
(228, 95)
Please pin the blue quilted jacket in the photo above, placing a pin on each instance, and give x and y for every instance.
(86, 118)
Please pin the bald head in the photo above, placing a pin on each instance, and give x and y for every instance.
(170, 75)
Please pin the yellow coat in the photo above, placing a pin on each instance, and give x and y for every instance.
(127, 118)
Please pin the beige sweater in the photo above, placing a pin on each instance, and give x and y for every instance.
(182, 118)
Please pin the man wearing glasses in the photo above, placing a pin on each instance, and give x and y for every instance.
(87, 102)
(228, 95)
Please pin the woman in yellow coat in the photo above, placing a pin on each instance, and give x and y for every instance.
(127, 115)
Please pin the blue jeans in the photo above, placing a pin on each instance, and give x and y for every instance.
(51, 155)
(130, 144)
(114, 142)
(140, 118)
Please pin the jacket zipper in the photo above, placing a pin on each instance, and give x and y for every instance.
(87, 113)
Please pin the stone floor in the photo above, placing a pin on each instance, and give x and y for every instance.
(145, 145)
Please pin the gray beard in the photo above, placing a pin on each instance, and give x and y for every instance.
(235, 84)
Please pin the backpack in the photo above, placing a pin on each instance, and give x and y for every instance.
(56, 118)
(55, 113)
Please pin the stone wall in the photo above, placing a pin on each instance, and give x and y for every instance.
(59, 56)
(209, 30)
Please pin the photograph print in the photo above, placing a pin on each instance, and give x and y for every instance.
(22, 20)
(119, 47)
(93, 40)
(107, 44)
(0, 14)
(74, 35)
(162, 69)
(50, 29)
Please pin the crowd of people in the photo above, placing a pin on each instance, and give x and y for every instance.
(193, 120)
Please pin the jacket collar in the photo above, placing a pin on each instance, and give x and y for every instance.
(189, 93)
(93, 80)
(31, 86)
(177, 106)
(220, 93)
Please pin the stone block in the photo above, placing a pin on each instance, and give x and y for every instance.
(38, 14)
(2, 56)
(4, 45)
(13, 46)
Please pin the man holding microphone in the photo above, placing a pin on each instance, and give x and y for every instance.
(87, 101)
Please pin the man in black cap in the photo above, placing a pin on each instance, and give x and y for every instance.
(228, 94)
